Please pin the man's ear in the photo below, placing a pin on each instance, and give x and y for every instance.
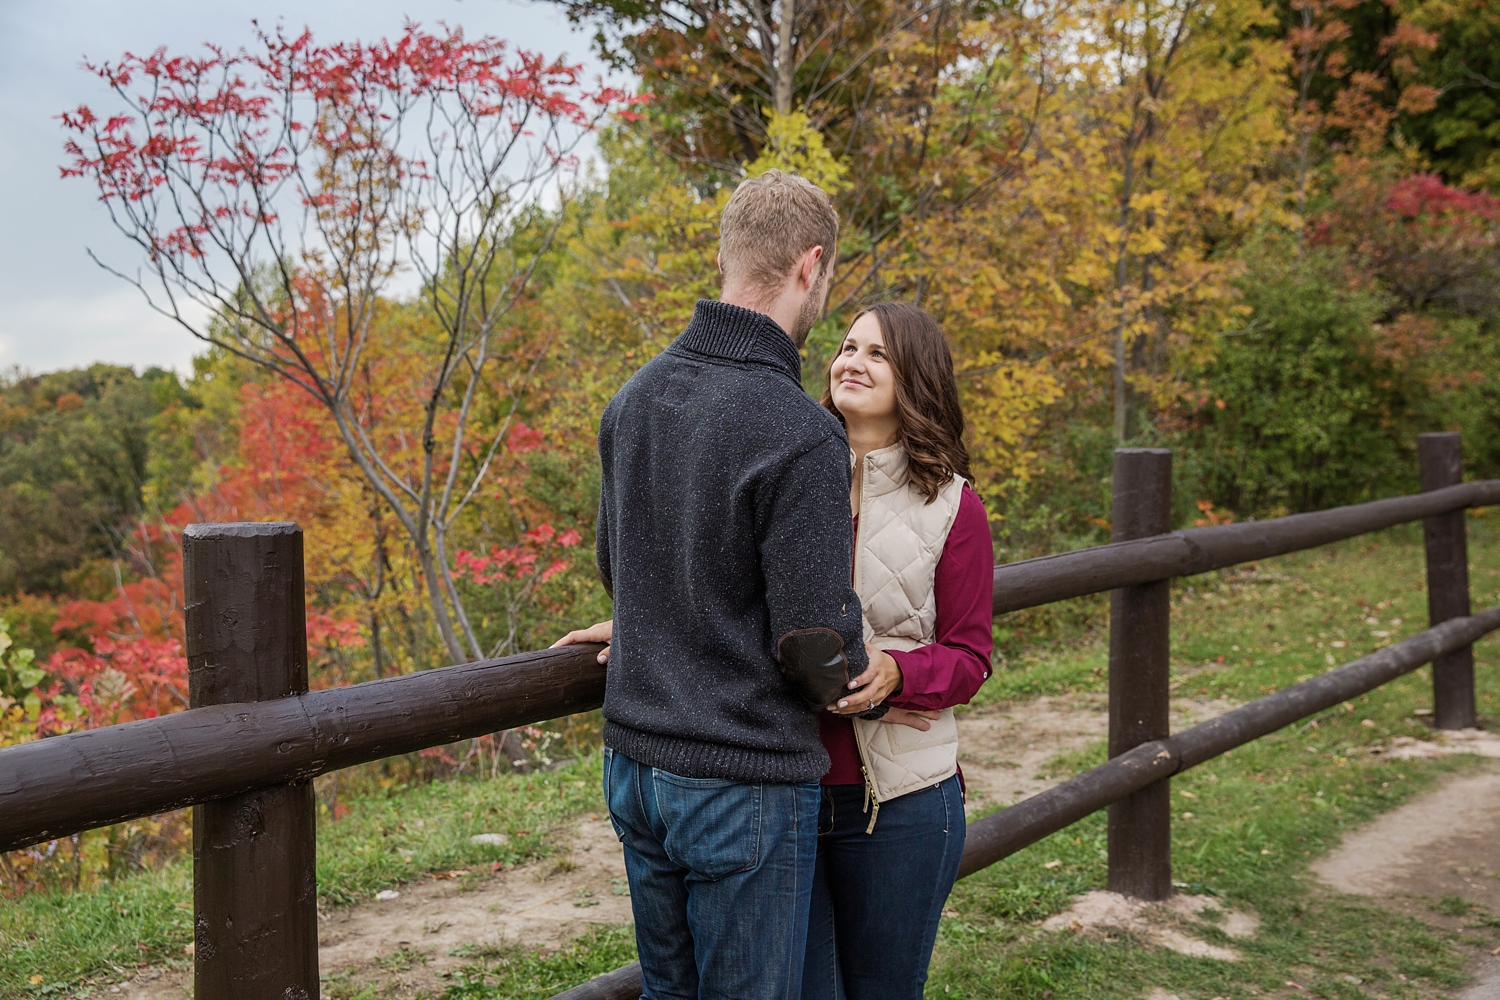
(808, 272)
(719, 262)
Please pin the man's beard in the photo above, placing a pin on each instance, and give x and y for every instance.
(812, 311)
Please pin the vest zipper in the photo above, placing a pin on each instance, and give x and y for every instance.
(859, 524)
(872, 804)
(864, 770)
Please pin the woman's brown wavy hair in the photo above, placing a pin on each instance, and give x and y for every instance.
(932, 421)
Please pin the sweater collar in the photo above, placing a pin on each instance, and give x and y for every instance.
(721, 330)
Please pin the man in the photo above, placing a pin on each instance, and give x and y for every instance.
(724, 525)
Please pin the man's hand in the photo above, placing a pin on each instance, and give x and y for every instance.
(602, 632)
(875, 685)
(916, 718)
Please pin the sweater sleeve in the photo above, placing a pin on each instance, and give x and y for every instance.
(949, 671)
(806, 545)
(601, 545)
(602, 533)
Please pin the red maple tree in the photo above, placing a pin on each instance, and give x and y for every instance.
(283, 190)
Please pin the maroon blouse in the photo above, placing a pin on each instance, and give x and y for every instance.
(949, 671)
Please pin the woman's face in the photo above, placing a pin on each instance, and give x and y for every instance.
(861, 379)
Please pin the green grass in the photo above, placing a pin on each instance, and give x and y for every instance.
(68, 937)
(386, 839)
(389, 839)
(518, 974)
(1260, 814)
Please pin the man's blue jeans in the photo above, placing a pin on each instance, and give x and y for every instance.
(720, 877)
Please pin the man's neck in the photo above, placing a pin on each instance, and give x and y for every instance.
(782, 312)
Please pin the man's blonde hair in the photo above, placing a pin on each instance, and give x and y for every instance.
(770, 222)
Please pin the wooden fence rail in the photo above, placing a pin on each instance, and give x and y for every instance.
(59, 786)
(244, 754)
(1035, 582)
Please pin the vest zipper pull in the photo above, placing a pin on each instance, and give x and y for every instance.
(870, 800)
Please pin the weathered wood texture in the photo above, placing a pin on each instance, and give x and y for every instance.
(623, 983)
(1441, 459)
(1002, 834)
(255, 892)
(1034, 582)
(147, 767)
(1140, 824)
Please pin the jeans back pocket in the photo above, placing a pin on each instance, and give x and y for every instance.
(712, 824)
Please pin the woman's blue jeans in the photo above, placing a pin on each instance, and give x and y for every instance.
(720, 876)
(877, 897)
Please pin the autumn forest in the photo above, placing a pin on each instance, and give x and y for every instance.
(1263, 233)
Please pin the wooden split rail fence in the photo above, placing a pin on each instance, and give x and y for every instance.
(245, 753)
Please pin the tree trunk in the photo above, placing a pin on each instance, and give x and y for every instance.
(415, 525)
(1122, 277)
(451, 589)
(375, 645)
(439, 602)
(786, 61)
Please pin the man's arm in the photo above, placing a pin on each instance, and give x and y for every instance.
(603, 631)
(606, 495)
(601, 543)
(806, 544)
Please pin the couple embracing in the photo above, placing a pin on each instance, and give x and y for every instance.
(789, 638)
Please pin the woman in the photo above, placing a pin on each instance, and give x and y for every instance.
(891, 831)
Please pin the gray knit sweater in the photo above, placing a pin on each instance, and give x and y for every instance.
(723, 524)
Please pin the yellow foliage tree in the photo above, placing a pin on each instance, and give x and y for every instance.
(795, 146)
(1076, 174)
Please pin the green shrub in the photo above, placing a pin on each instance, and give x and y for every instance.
(1303, 409)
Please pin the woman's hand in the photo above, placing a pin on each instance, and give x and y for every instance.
(875, 685)
(602, 632)
(916, 718)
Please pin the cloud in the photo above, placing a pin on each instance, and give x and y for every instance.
(112, 324)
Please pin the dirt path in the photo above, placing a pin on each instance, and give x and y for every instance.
(1440, 845)
(1003, 748)
(404, 945)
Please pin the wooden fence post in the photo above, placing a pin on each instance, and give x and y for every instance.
(255, 894)
(1441, 459)
(1140, 825)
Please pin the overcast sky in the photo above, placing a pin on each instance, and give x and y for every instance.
(57, 308)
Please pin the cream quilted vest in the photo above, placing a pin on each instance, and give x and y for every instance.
(896, 551)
